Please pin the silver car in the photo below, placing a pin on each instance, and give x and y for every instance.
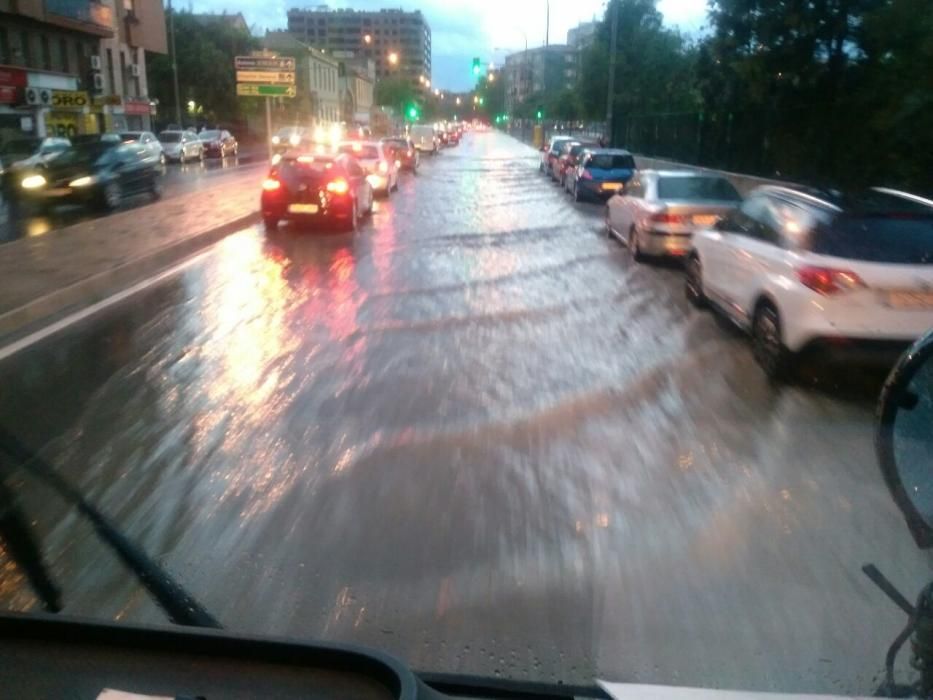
(181, 146)
(151, 146)
(659, 210)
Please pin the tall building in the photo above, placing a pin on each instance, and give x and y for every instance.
(76, 66)
(582, 36)
(532, 73)
(398, 42)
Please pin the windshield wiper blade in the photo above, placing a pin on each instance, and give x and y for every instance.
(180, 606)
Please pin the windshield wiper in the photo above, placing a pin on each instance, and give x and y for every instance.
(178, 604)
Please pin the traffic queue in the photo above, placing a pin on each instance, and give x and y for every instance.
(804, 271)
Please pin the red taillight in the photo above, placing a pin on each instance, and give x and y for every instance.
(270, 184)
(586, 175)
(339, 186)
(828, 280)
(665, 218)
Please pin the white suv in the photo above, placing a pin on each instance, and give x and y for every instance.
(806, 269)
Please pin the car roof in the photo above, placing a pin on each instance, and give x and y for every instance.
(680, 173)
(610, 152)
(878, 200)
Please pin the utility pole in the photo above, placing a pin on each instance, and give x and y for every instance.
(547, 24)
(171, 32)
(610, 97)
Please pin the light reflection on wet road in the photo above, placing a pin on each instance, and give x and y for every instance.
(475, 435)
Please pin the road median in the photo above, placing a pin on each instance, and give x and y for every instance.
(76, 266)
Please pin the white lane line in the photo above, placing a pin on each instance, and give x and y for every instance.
(71, 319)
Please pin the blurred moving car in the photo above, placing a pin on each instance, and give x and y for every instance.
(22, 154)
(148, 141)
(549, 152)
(181, 146)
(95, 138)
(601, 173)
(218, 142)
(847, 274)
(377, 161)
(404, 151)
(99, 174)
(305, 187)
(425, 138)
(659, 210)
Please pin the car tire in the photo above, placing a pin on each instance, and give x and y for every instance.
(767, 347)
(111, 196)
(693, 283)
(633, 246)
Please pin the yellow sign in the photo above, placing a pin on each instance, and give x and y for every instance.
(61, 124)
(70, 99)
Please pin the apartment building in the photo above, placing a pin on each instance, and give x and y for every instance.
(532, 73)
(398, 42)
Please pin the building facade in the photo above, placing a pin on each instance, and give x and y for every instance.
(398, 42)
(317, 80)
(357, 93)
(582, 36)
(75, 66)
(532, 73)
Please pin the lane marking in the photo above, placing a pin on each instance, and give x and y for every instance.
(73, 318)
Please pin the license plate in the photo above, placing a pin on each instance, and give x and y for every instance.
(303, 208)
(611, 186)
(58, 192)
(908, 299)
(705, 219)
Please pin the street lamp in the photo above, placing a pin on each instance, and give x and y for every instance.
(458, 100)
(367, 38)
(436, 92)
(427, 83)
(393, 58)
(492, 77)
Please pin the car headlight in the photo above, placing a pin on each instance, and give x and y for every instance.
(83, 181)
(31, 182)
(275, 140)
(294, 140)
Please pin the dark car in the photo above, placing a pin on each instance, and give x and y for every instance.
(100, 173)
(602, 173)
(570, 157)
(405, 152)
(305, 187)
(219, 142)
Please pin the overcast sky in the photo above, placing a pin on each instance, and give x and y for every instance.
(461, 29)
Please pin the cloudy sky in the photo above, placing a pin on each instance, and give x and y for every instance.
(461, 29)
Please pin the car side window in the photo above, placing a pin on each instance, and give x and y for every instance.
(758, 219)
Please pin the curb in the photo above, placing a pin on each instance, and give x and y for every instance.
(38, 312)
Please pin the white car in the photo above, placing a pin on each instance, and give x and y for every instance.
(379, 164)
(850, 275)
(148, 141)
(425, 138)
(181, 146)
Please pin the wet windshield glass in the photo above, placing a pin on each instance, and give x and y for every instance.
(209, 135)
(604, 161)
(170, 137)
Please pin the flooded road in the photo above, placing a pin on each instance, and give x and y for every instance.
(476, 435)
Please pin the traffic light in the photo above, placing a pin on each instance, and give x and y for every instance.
(540, 113)
(477, 68)
(482, 100)
(412, 112)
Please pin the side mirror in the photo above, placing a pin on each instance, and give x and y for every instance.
(904, 438)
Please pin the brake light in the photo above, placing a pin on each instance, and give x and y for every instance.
(270, 184)
(665, 218)
(410, 154)
(383, 166)
(586, 175)
(338, 186)
(828, 280)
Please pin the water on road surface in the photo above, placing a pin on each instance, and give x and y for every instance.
(477, 435)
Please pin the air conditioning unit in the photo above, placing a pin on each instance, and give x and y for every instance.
(134, 70)
(98, 80)
(40, 97)
(95, 63)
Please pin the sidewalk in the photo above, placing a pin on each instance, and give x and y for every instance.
(75, 266)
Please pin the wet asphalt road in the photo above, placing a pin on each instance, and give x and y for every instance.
(23, 221)
(477, 435)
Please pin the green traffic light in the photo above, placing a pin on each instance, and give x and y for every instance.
(413, 112)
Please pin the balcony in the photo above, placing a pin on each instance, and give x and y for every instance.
(85, 16)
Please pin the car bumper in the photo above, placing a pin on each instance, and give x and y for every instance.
(62, 195)
(596, 189)
(862, 351)
(378, 181)
(662, 243)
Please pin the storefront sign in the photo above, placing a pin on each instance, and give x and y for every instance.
(70, 99)
(108, 100)
(63, 124)
(135, 105)
(9, 95)
(12, 77)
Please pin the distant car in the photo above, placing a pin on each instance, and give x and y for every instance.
(305, 187)
(601, 173)
(549, 153)
(181, 146)
(851, 275)
(425, 138)
(219, 142)
(149, 142)
(377, 161)
(99, 174)
(292, 137)
(405, 152)
(569, 160)
(659, 210)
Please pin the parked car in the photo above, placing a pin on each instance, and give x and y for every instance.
(425, 138)
(305, 187)
(659, 210)
(404, 151)
(377, 161)
(99, 174)
(847, 274)
(602, 173)
(219, 142)
(181, 146)
(550, 153)
(570, 160)
(151, 146)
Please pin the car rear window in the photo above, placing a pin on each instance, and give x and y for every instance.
(697, 188)
(170, 137)
(306, 165)
(580, 147)
(361, 152)
(209, 135)
(605, 161)
(901, 238)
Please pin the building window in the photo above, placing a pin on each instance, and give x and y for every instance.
(110, 75)
(24, 48)
(46, 52)
(4, 46)
(128, 6)
(123, 84)
(63, 55)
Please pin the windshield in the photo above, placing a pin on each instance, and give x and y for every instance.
(565, 369)
(697, 188)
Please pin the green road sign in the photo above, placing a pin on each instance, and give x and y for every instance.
(257, 90)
